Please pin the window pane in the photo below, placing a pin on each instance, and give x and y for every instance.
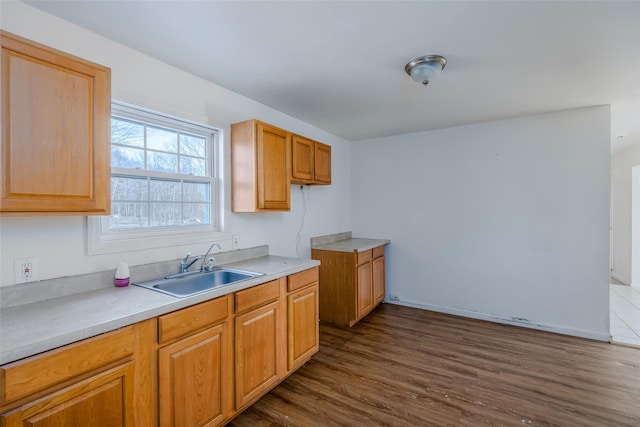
(173, 178)
(127, 188)
(128, 215)
(162, 162)
(166, 191)
(193, 145)
(124, 157)
(192, 166)
(127, 133)
(195, 213)
(165, 214)
(195, 192)
(162, 139)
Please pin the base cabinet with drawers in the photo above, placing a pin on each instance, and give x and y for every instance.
(302, 318)
(352, 284)
(104, 380)
(258, 341)
(197, 366)
(194, 365)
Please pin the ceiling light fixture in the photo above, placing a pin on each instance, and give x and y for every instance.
(423, 69)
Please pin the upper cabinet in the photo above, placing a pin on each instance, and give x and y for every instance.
(55, 152)
(260, 156)
(311, 161)
(265, 160)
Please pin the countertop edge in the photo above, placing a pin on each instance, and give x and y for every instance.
(352, 245)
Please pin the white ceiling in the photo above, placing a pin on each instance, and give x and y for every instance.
(339, 65)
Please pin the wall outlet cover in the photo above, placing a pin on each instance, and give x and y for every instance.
(25, 270)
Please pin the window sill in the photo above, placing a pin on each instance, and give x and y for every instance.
(98, 244)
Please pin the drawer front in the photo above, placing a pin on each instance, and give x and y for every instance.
(302, 279)
(183, 322)
(257, 296)
(364, 256)
(378, 252)
(30, 375)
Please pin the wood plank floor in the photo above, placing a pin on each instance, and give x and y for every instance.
(402, 366)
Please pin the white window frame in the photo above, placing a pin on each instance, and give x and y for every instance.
(102, 240)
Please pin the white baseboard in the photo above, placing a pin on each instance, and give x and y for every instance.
(624, 280)
(493, 318)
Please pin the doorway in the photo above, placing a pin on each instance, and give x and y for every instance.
(625, 299)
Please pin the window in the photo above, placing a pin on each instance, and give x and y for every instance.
(163, 181)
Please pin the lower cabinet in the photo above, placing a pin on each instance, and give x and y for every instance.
(257, 346)
(193, 388)
(377, 267)
(105, 399)
(193, 371)
(364, 293)
(198, 366)
(351, 284)
(302, 326)
(97, 382)
(303, 318)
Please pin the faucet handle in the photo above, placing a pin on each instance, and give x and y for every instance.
(186, 257)
(209, 264)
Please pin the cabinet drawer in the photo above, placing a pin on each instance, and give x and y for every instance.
(191, 319)
(378, 252)
(364, 256)
(36, 373)
(302, 279)
(257, 296)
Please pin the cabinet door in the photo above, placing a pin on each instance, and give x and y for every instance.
(302, 326)
(257, 346)
(273, 146)
(302, 154)
(364, 297)
(55, 152)
(378, 279)
(105, 399)
(322, 155)
(195, 387)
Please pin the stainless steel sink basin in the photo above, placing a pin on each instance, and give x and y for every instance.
(194, 283)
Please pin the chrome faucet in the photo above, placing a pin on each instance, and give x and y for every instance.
(184, 265)
(209, 262)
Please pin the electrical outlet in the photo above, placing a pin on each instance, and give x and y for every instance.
(394, 297)
(235, 242)
(25, 270)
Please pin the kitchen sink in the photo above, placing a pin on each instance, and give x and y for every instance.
(185, 285)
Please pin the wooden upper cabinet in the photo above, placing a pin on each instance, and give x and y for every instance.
(311, 161)
(260, 159)
(302, 168)
(55, 119)
(322, 163)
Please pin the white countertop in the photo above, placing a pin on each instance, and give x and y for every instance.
(32, 328)
(351, 245)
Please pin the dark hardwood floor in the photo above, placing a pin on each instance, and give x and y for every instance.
(402, 366)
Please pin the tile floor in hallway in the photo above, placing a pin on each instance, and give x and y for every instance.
(625, 314)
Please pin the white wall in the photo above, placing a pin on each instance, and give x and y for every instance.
(506, 220)
(59, 243)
